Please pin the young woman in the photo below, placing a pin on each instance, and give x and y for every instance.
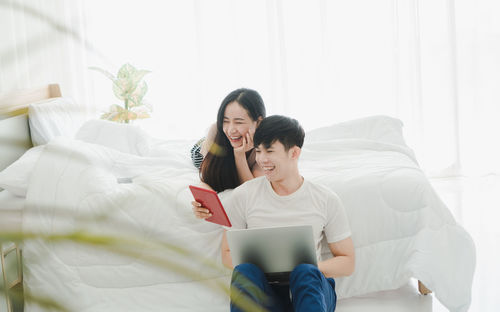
(227, 151)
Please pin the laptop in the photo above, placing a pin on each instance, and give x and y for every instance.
(275, 250)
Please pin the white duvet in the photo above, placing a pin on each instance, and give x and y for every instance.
(400, 227)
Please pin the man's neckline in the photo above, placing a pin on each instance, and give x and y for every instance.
(286, 192)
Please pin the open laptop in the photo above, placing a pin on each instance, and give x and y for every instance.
(275, 250)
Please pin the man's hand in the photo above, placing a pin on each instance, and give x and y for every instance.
(199, 211)
(343, 262)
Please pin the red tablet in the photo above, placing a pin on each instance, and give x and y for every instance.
(210, 200)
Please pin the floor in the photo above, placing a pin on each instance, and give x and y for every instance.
(475, 204)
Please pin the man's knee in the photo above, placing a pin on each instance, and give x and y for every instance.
(250, 279)
(304, 270)
(311, 290)
(247, 268)
(247, 271)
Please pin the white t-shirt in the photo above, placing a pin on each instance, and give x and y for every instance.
(255, 204)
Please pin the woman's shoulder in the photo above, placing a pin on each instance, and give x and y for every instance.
(212, 130)
(209, 139)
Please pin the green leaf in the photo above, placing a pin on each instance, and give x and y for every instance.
(126, 71)
(123, 85)
(127, 81)
(120, 87)
(128, 86)
(115, 113)
(142, 111)
(138, 75)
(131, 115)
(119, 114)
(143, 115)
(135, 99)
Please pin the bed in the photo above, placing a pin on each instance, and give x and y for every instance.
(15, 140)
(108, 223)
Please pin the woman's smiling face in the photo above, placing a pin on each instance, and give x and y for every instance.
(237, 123)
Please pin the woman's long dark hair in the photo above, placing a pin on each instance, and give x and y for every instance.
(219, 168)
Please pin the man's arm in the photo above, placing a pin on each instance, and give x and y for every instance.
(225, 252)
(342, 264)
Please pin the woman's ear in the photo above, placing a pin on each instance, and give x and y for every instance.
(259, 120)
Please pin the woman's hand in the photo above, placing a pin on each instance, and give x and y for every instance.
(199, 211)
(247, 142)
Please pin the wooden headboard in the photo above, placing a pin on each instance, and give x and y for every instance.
(17, 102)
(15, 138)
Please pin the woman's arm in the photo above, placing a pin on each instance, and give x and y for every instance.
(242, 167)
(342, 264)
(240, 158)
(209, 140)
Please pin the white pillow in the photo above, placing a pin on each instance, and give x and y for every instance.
(15, 178)
(125, 138)
(377, 128)
(54, 117)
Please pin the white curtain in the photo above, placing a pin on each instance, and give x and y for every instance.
(433, 64)
(42, 42)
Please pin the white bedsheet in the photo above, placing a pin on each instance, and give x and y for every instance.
(400, 227)
(81, 178)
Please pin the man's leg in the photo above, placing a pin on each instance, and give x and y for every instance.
(311, 290)
(252, 283)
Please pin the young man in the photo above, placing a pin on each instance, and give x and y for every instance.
(280, 198)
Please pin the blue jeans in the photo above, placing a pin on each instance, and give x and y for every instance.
(310, 289)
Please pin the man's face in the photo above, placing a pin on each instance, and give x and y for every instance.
(275, 161)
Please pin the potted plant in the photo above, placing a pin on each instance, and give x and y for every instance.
(129, 87)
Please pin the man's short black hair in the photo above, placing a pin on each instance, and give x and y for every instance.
(284, 129)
